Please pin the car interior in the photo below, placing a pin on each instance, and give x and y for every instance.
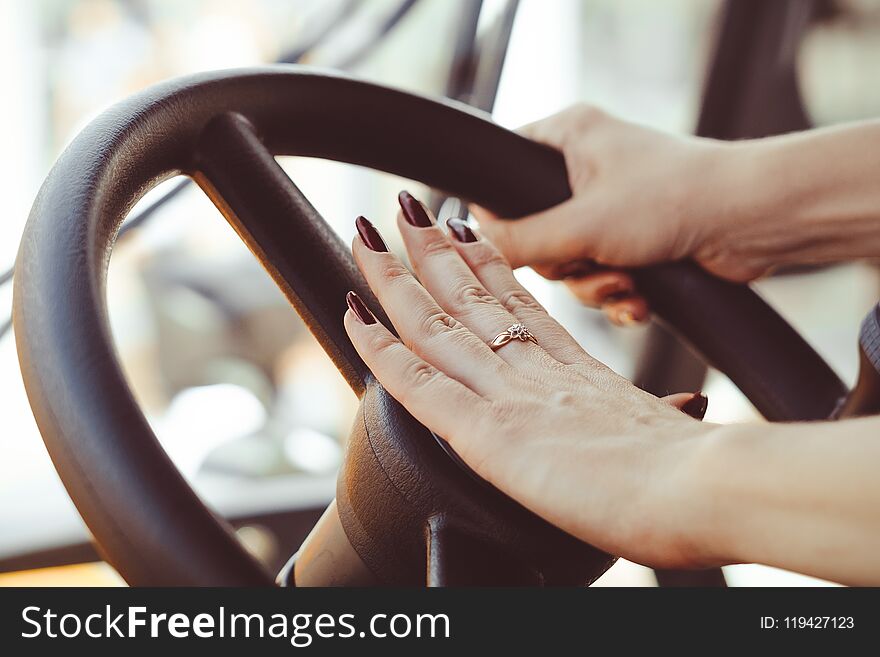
(182, 405)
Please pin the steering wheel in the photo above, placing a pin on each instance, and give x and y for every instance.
(406, 513)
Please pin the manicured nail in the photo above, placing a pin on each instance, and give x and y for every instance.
(461, 230)
(370, 236)
(359, 308)
(413, 211)
(696, 406)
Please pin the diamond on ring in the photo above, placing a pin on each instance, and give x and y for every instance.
(514, 332)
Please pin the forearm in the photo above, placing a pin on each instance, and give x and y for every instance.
(804, 497)
(810, 197)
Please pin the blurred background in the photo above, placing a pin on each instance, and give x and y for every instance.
(241, 396)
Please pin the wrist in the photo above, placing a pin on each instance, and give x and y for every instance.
(747, 223)
(734, 191)
(677, 519)
(710, 500)
(792, 199)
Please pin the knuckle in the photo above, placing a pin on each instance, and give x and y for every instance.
(395, 273)
(434, 247)
(597, 374)
(518, 300)
(586, 115)
(473, 293)
(549, 369)
(437, 323)
(589, 370)
(420, 374)
(382, 342)
(581, 168)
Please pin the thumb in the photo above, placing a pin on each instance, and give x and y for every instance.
(543, 238)
(691, 403)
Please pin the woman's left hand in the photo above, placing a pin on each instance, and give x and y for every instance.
(546, 423)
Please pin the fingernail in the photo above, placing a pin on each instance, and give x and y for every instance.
(370, 236)
(627, 318)
(359, 308)
(696, 406)
(413, 211)
(461, 230)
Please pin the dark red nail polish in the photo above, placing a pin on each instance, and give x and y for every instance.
(696, 406)
(413, 211)
(461, 230)
(370, 236)
(359, 308)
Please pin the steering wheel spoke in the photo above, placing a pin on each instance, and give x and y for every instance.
(299, 250)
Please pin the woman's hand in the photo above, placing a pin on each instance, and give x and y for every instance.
(640, 196)
(545, 423)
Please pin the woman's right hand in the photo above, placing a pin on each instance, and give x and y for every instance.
(640, 196)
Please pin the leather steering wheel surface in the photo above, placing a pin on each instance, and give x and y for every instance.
(397, 491)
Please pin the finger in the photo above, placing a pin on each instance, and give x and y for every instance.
(490, 223)
(454, 286)
(539, 238)
(423, 326)
(495, 274)
(426, 392)
(601, 287)
(690, 403)
(627, 311)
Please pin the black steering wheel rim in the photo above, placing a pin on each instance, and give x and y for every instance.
(122, 482)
